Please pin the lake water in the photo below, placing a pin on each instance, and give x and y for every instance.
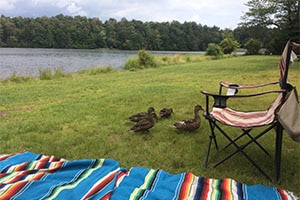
(25, 61)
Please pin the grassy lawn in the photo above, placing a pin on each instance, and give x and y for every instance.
(84, 116)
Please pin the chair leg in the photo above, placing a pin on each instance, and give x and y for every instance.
(207, 153)
(215, 141)
(211, 137)
(239, 149)
(278, 148)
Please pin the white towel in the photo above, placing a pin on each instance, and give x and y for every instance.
(293, 57)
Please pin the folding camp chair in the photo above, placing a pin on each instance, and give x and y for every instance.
(220, 115)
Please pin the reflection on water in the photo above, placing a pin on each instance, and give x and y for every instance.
(25, 61)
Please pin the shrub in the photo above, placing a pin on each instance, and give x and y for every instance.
(146, 59)
(252, 46)
(214, 50)
(143, 60)
(229, 45)
(132, 64)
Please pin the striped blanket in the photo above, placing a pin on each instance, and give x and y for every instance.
(27, 175)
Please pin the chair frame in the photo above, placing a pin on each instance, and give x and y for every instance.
(220, 102)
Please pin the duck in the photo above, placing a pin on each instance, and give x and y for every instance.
(144, 124)
(165, 112)
(138, 116)
(190, 124)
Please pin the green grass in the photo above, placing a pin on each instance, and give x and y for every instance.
(84, 116)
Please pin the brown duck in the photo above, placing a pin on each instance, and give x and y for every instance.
(137, 117)
(165, 112)
(190, 124)
(144, 124)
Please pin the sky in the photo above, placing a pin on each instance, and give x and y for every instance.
(221, 13)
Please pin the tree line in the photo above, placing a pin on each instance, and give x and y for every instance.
(269, 24)
(81, 32)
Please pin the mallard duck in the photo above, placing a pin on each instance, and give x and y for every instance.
(165, 112)
(144, 124)
(190, 124)
(137, 117)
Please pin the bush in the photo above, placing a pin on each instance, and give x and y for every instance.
(144, 59)
(214, 50)
(252, 46)
(229, 45)
(132, 64)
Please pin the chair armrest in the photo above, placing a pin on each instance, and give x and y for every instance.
(220, 100)
(243, 95)
(245, 86)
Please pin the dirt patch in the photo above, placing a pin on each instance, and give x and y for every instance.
(4, 112)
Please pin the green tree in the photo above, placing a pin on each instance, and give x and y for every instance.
(228, 44)
(163, 30)
(130, 35)
(191, 37)
(252, 46)
(215, 50)
(282, 16)
(111, 33)
(209, 35)
(153, 38)
(176, 36)
(1, 35)
(63, 31)
(97, 33)
(264, 34)
(8, 32)
(140, 32)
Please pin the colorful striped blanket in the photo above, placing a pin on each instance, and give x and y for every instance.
(31, 176)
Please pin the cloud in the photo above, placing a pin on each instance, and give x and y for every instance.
(7, 5)
(74, 9)
(225, 13)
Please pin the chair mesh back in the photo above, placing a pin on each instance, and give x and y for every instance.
(284, 65)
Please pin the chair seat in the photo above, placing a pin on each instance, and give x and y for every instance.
(241, 119)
